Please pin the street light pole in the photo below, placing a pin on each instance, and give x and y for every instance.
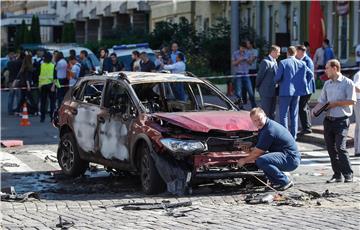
(234, 29)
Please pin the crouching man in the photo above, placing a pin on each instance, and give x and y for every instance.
(275, 152)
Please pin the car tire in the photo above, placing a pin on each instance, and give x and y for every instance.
(151, 182)
(69, 158)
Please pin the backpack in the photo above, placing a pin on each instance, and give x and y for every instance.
(84, 69)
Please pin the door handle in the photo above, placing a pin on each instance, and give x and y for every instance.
(101, 119)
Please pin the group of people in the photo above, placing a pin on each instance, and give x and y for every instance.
(42, 80)
(173, 61)
(292, 81)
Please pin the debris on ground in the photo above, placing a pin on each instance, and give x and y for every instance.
(11, 143)
(11, 196)
(7, 164)
(259, 199)
(50, 158)
(316, 195)
(151, 206)
(165, 205)
(64, 224)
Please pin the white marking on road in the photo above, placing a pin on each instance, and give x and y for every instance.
(12, 164)
(43, 153)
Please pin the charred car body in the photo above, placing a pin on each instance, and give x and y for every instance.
(172, 129)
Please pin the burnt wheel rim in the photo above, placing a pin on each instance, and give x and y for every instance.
(145, 170)
(67, 155)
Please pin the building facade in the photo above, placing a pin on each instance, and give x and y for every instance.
(281, 22)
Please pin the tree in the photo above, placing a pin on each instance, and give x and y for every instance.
(21, 33)
(34, 30)
(68, 33)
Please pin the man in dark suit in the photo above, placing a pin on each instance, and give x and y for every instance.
(293, 77)
(304, 109)
(265, 83)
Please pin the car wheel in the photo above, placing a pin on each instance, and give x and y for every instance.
(69, 158)
(151, 181)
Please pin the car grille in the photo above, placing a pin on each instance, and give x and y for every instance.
(218, 144)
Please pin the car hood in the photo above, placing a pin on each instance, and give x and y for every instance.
(210, 120)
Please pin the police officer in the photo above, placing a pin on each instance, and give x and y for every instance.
(339, 92)
(47, 86)
(276, 150)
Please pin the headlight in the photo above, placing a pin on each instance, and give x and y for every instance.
(183, 146)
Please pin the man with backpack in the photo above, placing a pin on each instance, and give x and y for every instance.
(86, 65)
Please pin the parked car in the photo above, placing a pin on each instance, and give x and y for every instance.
(172, 129)
(123, 52)
(4, 72)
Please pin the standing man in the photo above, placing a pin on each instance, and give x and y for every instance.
(283, 154)
(304, 109)
(293, 78)
(146, 65)
(74, 71)
(328, 51)
(319, 58)
(179, 66)
(14, 93)
(265, 83)
(174, 52)
(61, 75)
(357, 114)
(339, 92)
(357, 54)
(47, 86)
(241, 60)
(254, 54)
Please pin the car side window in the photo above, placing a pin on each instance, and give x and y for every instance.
(208, 98)
(117, 97)
(93, 92)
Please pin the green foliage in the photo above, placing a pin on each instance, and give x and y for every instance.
(21, 34)
(34, 34)
(68, 33)
(208, 52)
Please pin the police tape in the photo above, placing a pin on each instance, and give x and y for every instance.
(34, 87)
(205, 78)
(254, 74)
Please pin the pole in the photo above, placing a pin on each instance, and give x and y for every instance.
(234, 29)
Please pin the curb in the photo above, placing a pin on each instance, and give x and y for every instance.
(317, 138)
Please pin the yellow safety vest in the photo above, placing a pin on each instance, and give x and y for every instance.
(46, 74)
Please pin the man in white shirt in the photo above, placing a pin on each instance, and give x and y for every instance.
(61, 68)
(178, 66)
(319, 58)
(357, 114)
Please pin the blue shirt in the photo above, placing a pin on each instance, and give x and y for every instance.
(243, 67)
(173, 56)
(273, 137)
(309, 63)
(328, 54)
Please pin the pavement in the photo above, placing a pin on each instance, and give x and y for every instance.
(95, 200)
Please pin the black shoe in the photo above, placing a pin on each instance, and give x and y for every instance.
(285, 187)
(334, 179)
(306, 131)
(348, 178)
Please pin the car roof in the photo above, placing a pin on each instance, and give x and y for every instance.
(145, 77)
(65, 50)
(126, 52)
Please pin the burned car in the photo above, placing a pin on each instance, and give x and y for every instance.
(171, 129)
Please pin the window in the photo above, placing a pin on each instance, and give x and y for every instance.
(114, 94)
(93, 92)
(208, 98)
(179, 97)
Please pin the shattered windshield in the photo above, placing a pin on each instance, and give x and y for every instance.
(179, 97)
